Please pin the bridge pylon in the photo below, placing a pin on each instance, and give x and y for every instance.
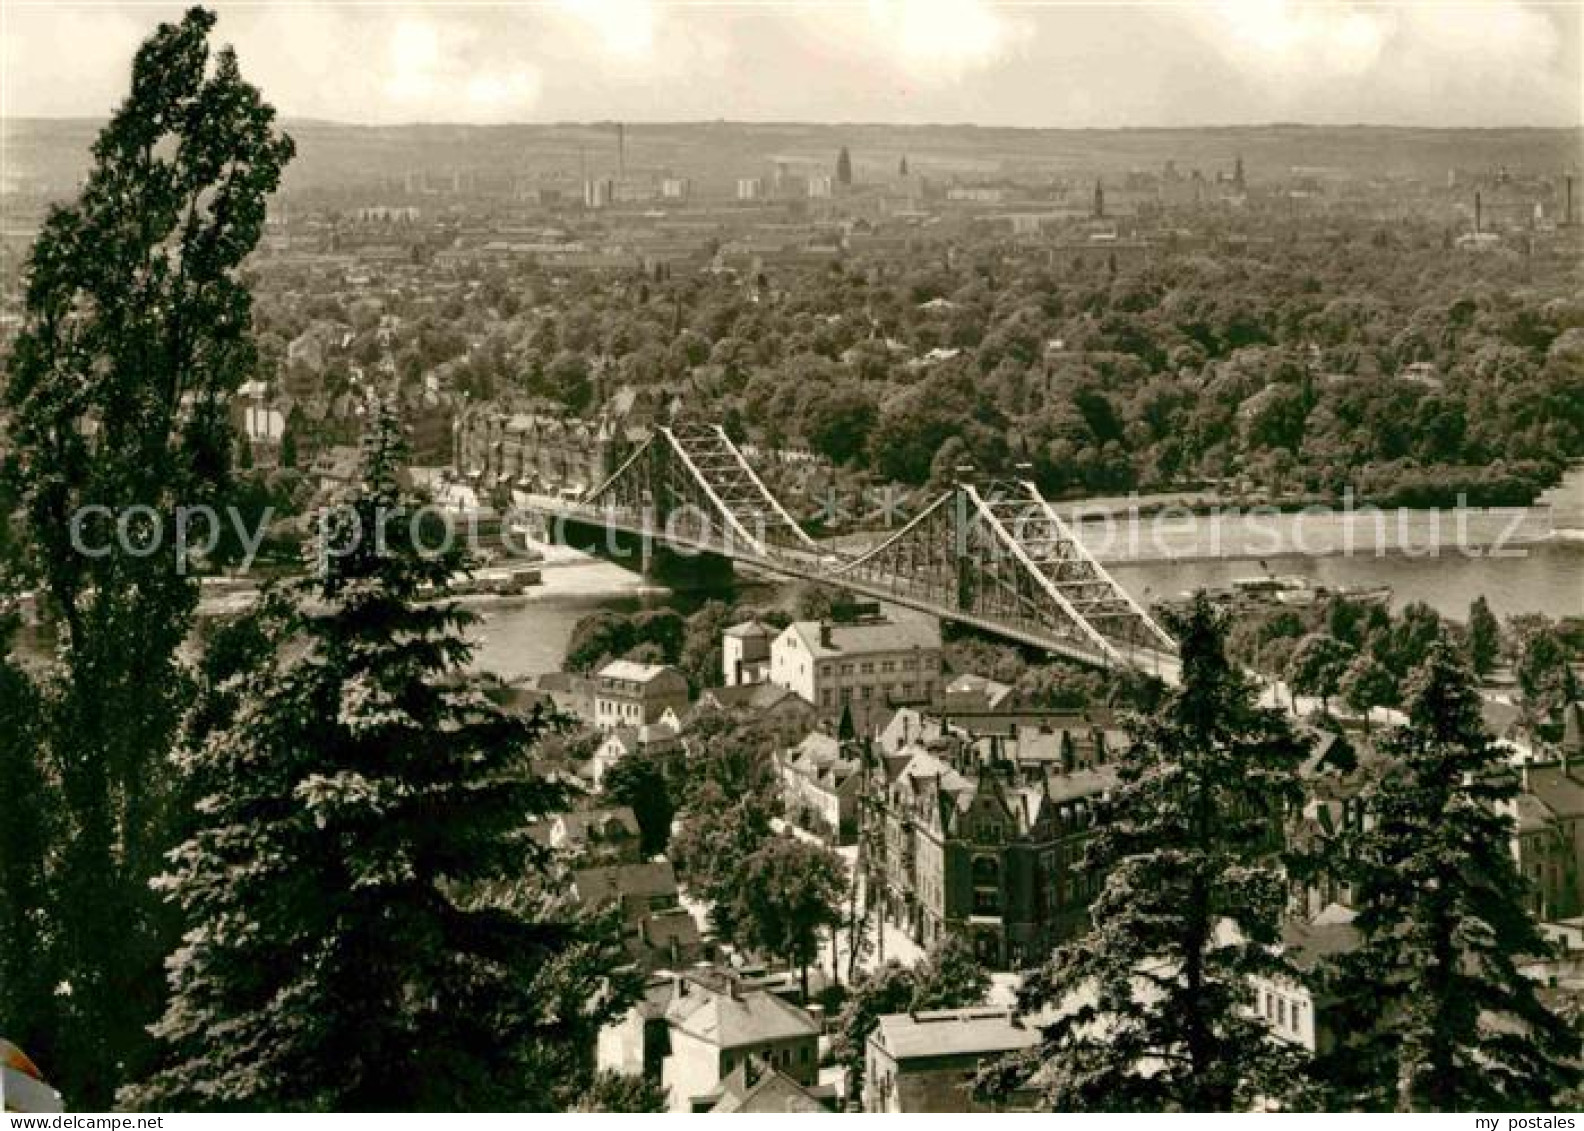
(997, 555)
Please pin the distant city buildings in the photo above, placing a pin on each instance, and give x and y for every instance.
(599, 192)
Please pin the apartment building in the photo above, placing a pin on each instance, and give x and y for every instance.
(628, 694)
(865, 667)
(972, 845)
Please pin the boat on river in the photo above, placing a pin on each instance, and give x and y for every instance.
(1269, 591)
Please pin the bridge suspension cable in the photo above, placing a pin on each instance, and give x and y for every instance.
(995, 556)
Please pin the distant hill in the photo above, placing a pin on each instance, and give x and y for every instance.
(51, 155)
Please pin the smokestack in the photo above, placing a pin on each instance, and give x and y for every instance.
(621, 151)
(1478, 205)
(1567, 216)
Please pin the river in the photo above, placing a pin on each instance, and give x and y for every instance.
(529, 636)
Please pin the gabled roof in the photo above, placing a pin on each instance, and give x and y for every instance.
(633, 739)
(635, 672)
(1558, 789)
(922, 765)
(732, 1019)
(754, 1086)
(599, 887)
(582, 825)
(821, 758)
(825, 639)
(749, 629)
(1328, 934)
(757, 696)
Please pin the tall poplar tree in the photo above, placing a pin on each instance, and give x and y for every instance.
(1432, 1012)
(1151, 1006)
(27, 807)
(359, 932)
(137, 328)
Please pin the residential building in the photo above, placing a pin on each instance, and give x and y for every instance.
(629, 694)
(569, 694)
(821, 785)
(971, 844)
(926, 1062)
(1294, 1008)
(864, 667)
(745, 653)
(657, 739)
(773, 707)
(592, 836)
(691, 1031)
(1548, 838)
(754, 1087)
(660, 931)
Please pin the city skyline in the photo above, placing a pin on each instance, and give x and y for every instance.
(1472, 64)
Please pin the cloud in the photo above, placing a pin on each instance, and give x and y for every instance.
(1492, 62)
(941, 38)
(439, 69)
(1458, 62)
(624, 29)
(1279, 37)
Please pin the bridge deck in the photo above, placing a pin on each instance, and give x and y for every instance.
(835, 569)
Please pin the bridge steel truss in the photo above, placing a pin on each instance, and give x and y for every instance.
(691, 483)
(1006, 562)
(996, 557)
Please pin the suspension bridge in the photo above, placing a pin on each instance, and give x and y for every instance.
(994, 556)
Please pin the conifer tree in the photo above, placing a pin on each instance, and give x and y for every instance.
(1151, 1004)
(358, 934)
(1484, 637)
(1432, 1011)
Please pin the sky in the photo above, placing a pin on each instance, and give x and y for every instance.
(1053, 64)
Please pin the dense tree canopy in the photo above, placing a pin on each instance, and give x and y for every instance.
(138, 326)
